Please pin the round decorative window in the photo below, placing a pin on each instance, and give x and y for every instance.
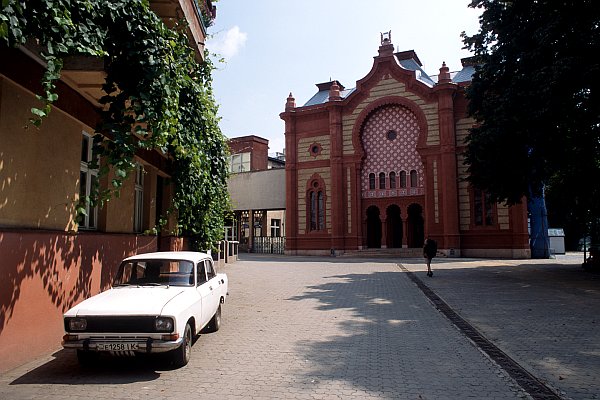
(391, 134)
(315, 149)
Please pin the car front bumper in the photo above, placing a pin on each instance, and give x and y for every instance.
(140, 345)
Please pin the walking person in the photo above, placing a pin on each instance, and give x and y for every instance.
(429, 251)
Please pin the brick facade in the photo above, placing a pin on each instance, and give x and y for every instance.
(388, 159)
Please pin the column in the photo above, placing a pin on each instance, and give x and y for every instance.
(404, 230)
(449, 212)
(336, 191)
(291, 177)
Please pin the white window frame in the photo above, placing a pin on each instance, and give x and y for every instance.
(239, 162)
(138, 199)
(90, 174)
(231, 231)
(275, 227)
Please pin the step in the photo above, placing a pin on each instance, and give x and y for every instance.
(385, 253)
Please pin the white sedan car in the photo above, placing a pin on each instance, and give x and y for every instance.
(158, 303)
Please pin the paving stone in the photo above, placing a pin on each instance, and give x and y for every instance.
(305, 328)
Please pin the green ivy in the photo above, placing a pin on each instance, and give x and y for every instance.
(157, 96)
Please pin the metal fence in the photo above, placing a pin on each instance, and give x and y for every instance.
(268, 245)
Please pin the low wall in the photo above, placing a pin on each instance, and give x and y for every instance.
(43, 274)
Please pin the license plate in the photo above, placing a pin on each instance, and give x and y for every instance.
(117, 346)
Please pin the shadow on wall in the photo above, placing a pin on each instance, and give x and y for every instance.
(70, 267)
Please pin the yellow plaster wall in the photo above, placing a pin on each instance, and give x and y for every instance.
(304, 145)
(303, 178)
(39, 168)
(118, 211)
(391, 87)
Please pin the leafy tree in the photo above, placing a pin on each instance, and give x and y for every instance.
(536, 99)
(157, 97)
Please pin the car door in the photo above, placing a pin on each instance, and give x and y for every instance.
(213, 286)
(205, 293)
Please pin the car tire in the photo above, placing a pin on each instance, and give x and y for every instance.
(182, 355)
(86, 357)
(215, 322)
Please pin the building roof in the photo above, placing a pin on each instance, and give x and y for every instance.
(464, 75)
(414, 65)
(253, 138)
(322, 96)
(409, 61)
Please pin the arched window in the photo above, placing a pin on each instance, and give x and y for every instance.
(316, 207)
(321, 211)
(403, 179)
(392, 180)
(371, 181)
(382, 180)
(413, 178)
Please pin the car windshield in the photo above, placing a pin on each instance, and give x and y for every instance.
(155, 272)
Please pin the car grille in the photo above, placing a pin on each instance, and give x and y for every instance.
(142, 324)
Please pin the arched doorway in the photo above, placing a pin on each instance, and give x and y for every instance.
(394, 227)
(415, 226)
(373, 228)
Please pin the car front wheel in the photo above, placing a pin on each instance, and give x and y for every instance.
(181, 355)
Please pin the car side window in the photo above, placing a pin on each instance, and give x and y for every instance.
(201, 273)
(210, 271)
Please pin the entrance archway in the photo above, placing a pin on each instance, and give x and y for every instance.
(373, 227)
(394, 227)
(415, 226)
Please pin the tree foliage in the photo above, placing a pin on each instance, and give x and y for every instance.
(156, 95)
(536, 99)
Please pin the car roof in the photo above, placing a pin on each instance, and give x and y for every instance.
(194, 256)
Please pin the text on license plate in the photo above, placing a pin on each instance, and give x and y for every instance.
(117, 346)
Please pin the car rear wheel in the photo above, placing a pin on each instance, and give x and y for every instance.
(182, 355)
(215, 323)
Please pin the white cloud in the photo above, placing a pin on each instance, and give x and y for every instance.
(229, 44)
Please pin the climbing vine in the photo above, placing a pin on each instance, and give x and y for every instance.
(157, 96)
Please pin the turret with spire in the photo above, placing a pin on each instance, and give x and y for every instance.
(290, 103)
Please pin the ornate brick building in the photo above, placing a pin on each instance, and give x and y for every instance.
(381, 166)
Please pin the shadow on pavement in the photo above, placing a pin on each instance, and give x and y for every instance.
(65, 369)
(392, 337)
(543, 313)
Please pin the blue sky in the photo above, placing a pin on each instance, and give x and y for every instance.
(274, 47)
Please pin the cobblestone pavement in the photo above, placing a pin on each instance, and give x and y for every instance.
(543, 313)
(303, 328)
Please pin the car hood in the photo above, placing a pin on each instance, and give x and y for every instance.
(127, 300)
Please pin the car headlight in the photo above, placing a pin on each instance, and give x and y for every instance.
(77, 324)
(163, 324)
